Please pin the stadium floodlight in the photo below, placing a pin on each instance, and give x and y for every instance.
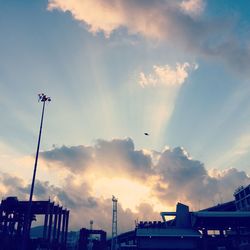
(27, 221)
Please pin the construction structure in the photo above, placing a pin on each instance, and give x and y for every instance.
(12, 222)
(114, 224)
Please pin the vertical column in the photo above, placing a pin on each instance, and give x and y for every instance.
(19, 224)
(12, 223)
(1, 216)
(5, 222)
(50, 220)
(66, 226)
(45, 225)
(55, 222)
(63, 226)
(59, 225)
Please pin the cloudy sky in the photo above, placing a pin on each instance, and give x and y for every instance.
(178, 70)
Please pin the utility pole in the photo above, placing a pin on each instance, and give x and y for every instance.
(27, 219)
(114, 224)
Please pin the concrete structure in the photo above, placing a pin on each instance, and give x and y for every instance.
(172, 234)
(12, 215)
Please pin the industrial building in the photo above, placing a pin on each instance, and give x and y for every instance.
(222, 227)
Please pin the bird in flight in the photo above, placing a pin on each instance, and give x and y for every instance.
(147, 134)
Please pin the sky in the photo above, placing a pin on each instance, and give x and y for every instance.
(115, 69)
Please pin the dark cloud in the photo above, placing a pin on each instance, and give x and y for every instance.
(230, 179)
(172, 175)
(75, 157)
(147, 213)
(175, 166)
(179, 177)
(83, 207)
(188, 181)
(213, 38)
(40, 189)
(119, 154)
(13, 186)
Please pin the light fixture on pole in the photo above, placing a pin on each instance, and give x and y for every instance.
(27, 222)
(43, 98)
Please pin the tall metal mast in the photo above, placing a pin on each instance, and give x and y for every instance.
(27, 222)
(114, 224)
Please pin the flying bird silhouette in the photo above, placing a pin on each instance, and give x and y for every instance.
(147, 134)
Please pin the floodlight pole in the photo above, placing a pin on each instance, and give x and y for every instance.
(27, 220)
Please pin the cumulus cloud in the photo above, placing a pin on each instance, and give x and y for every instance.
(119, 154)
(179, 23)
(73, 157)
(11, 186)
(167, 75)
(144, 17)
(78, 200)
(171, 176)
(188, 180)
(192, 7)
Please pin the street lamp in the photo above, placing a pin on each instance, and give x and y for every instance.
(43, 98)
(27, 222)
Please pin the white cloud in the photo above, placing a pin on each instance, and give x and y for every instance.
(144, 17)
(193, 7)
(167, 75)
(178, 23)
(188, 181)
(98, 15)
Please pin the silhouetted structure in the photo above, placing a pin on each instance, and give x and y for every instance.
(225, 226)
(242, 198)
(12, 216)
(27, 216)
(92, 239)
(114, 223)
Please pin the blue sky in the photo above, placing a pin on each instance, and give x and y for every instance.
(175, 69)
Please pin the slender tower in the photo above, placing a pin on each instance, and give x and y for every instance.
(28, 217)
(114, 224)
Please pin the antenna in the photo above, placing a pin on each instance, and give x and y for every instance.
(114, 224)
